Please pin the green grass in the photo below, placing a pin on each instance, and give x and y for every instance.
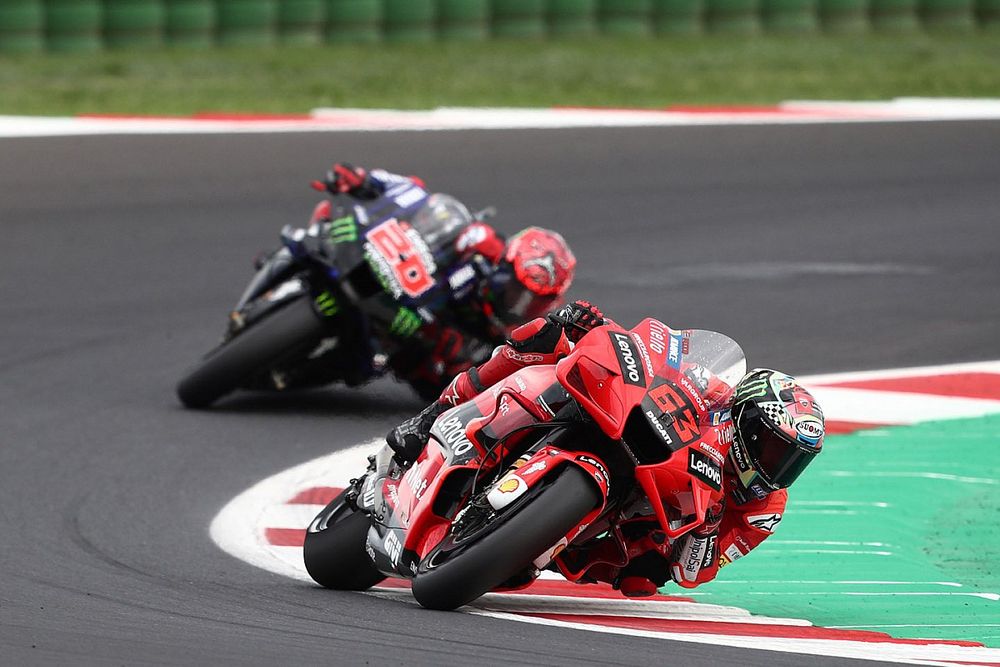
(604, 72)
(885, 505)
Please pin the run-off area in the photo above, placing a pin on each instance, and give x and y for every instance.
(894, 529)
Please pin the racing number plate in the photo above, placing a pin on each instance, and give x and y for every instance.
(406, 255)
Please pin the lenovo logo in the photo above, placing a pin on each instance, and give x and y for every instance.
(634, 375)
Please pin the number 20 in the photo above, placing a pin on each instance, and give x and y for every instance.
(395, 246)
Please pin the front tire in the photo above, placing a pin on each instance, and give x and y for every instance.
(292, 329)
(335, 556)
(509, 548)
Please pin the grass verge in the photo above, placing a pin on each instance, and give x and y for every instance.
(599, 72)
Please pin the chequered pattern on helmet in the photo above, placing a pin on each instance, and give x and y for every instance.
(775, 412)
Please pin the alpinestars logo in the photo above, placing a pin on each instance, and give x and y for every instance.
(631, 370)
(765, 522)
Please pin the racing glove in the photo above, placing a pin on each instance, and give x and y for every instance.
(577, 319)
(409, 438)
(481, 239)
(343, 178)
(698, 550)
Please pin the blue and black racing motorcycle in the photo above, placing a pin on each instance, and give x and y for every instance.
(341, 296)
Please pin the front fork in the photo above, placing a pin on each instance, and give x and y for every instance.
(278, 267)
(370, 499)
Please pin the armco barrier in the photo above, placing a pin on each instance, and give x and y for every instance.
(131, 24)
(950, 15)
(247, 22)
(733, 16)
(572, 18)
(463, 19)
(518, 18)
(894, 15)
(89, 25)
(789, 16)
(844, 16)
(21, 26)
(190, 23)
(630, 18)
(73, 25)
(300, 22)
(988, 14)
(409, 20)
(678, 17)
(353, 21)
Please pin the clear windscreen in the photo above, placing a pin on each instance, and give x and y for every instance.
(714, 362)
(440, 221)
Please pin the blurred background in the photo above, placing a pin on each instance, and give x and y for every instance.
(283, 56)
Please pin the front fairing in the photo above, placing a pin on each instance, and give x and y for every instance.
(676, 375)
(278, 267)
(662, 393)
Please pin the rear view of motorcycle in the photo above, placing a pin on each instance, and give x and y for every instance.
(331, 302)
(550, 468)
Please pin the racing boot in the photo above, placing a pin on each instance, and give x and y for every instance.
(637, 587)
(409, 438)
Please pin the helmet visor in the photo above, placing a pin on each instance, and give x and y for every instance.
(776, 457)
(518, 304)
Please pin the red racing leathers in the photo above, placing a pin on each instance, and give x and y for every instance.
(730, 531)
(696, 558)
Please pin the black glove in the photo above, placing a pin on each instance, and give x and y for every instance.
(577, 319)
(409, 438)
(343, 178)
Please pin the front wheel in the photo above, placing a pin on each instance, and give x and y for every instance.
(510, 547)
(291, 329)
(334, 549)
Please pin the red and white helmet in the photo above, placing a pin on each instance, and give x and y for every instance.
(534, 272)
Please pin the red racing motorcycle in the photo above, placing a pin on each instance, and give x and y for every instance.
(548, 469)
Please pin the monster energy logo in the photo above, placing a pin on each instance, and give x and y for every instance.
(343, 230)
(326, 304)
(405, 323)
(383, 272)
(752, 390)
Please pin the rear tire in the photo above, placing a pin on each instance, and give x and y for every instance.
(335, 557)
(510, 547)
(291, 329)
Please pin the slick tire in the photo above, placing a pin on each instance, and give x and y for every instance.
(335, 557)
(292, 328)
(511, 547)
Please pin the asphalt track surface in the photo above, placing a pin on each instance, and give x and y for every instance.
(820, 248)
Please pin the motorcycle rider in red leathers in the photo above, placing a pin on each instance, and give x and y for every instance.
(776, 428)
(514, 281)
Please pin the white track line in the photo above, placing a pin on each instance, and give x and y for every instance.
(448, 118)
(935, 654)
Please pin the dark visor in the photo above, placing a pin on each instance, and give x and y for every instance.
(516, 303)
(776, 457)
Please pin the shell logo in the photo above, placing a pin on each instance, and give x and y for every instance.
(509, 486)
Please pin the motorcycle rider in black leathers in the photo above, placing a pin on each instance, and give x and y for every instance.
(513, 280)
